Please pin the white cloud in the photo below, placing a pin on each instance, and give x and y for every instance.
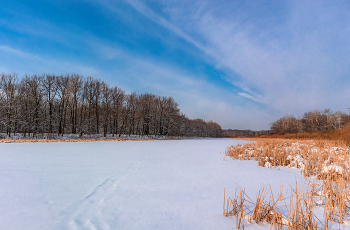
(19, 53)
(23, 62)
(146, 11)
(245, 95)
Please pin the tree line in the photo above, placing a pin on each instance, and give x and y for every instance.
(73, 104)
(313, 121)
(244, 133)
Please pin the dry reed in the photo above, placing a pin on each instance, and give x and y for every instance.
(325, 161)
(266, 209)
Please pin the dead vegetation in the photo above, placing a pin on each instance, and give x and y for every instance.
(342, 135)
(292, 211)
(325, 164)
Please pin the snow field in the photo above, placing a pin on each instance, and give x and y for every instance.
(167, 184)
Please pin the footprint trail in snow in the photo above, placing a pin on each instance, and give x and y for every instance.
(87, 212)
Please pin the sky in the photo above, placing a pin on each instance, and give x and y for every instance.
(243, 64)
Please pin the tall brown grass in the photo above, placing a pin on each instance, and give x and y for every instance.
(298, 208)
(328, 162)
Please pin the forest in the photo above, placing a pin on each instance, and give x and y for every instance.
(72, 104)
(312, 121)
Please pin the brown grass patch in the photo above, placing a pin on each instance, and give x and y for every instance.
(326, 161)
(298, 209)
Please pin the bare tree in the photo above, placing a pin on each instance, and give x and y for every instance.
(8, 100)
(106, 106)
(50, 91)
(118, 97)
(76, 85)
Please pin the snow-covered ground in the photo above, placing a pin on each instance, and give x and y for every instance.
(163, 184)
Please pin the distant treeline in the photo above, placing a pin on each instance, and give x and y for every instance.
(313, 121)
(244, 133)
(73, 104)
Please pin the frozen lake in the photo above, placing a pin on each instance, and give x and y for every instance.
(165, 184)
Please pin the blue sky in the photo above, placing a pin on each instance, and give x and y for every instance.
(242, 64)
